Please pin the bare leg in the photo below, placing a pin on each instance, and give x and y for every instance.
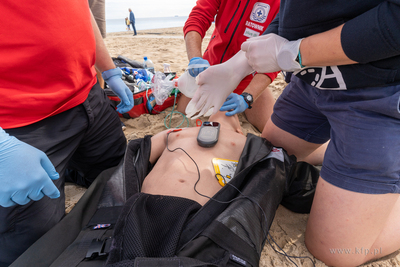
(292, 144)
(362, 226)
(303, 150)
(347, 228)
(262, 109)
(317, 157)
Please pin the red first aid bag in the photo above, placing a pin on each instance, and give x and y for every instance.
(144, 103)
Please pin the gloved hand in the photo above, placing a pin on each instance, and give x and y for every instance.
(25, 173)
(215, 85)
(197, 65)
(235, 102)
(113, 77)
(270, 53)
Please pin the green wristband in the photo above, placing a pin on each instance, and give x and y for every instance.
(298, 59)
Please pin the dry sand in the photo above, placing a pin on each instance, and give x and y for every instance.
(168, 46)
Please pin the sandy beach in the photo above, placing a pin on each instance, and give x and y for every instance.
(168, 46)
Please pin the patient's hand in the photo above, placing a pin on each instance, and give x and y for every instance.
(216, 83)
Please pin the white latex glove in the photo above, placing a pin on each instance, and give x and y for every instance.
(270, 53)
(215, 85)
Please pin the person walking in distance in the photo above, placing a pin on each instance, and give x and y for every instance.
(132, 21)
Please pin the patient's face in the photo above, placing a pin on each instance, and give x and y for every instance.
(230, 122)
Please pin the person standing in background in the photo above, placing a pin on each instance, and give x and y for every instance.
(235, 22)
(99, 13)
(132, 21)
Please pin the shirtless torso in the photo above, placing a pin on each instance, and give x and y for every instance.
(175, 174)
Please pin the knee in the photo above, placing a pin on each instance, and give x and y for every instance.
(21, 226)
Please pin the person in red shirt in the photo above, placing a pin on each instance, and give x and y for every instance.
(53, 114)
(235, 22)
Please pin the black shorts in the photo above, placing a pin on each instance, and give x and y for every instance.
(150, 226)
(87, 138)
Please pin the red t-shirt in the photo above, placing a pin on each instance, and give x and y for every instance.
(47, 56)
(235, 22)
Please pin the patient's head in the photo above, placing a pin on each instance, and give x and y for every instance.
(228, 122)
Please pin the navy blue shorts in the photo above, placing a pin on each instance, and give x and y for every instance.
(363, 125)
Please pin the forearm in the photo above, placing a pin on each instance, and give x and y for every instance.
(193, 42)
(103, 59)
(324, 49)
(257, 85)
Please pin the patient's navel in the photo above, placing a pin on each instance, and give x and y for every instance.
(181, 180)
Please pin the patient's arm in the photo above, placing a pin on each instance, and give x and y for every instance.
(158, 144)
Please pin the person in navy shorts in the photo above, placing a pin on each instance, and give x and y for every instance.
(344, 61)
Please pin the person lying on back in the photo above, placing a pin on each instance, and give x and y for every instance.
(175, 174)
(175, 200)
(172, 206)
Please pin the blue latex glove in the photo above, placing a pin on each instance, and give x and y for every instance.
(113, 78)
(235, 103)
(197, 65)
(26, 173)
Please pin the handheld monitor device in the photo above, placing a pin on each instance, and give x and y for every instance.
(208, 134)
